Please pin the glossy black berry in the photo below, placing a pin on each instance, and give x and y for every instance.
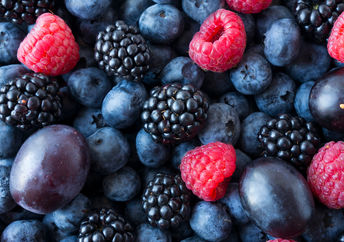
(105, 225)
(318, 16)
(30, 101)
(24, 10)
(166, 201)
(121, 50)
(174, 113)
(291, 139)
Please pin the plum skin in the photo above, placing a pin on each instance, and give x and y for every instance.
(50, 169)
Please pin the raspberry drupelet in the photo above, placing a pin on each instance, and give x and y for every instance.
(248, 6)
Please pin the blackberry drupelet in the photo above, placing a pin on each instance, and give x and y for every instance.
(290, 139)
(174, 113)
(27, 11)
(105, 225)
(318, 16)
(30, 101)
(121, 50)
(166, 201)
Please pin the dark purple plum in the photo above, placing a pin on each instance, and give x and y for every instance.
(50, 169)
(276, 197)
(326, 100)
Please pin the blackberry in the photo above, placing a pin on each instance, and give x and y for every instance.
(317, 17)
(30, 101)
(291, 139)
(174, 113)
(105, 225)
(166, 201)
(121, 50)
(27, 11)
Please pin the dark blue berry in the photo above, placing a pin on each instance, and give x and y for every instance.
(278, 98)
(122, 185)
(88, 120)
(301, 101)
(90, 9)
(89, 86)
(25, 230)
(146, 232)
(200, 10)
(109, 150)
(161, 23)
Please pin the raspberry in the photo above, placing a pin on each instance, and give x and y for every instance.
(281, 240)
(50, 47)
(325, 177)
(335, 45)
(248, 6)
(207, 169)
(220, 43)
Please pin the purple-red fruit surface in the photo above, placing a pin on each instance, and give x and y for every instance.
(50, 169)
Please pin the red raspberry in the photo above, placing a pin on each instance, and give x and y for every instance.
(207, 169)
(335, 44)
(282, 240)
(220, 43)
(50, 47)
(325, 175)
(248, 6)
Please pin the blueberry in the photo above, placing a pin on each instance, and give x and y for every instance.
(217, 84)
(25, 231)
(109, 150)
(122, 105)
(223, 124)
(241, 161)
(146, 232)
(10, 37)
(301, 101)
(151, 154)
(250, 27)
(266, 18)
(238, 102)
(250, 127)
(132, 9)
(253, 74)
(134, 211)
(200, 10)
(326, 225)
(180, 150)
(161, 55)
(165, 1)
(10, 140)
(53, 232)
(312, 62)
(19, 213)
(10, 72)
(330, 135)
(86, 58)
(89, 29)
(250, 232)
(6, 201)
(89, 86)
(122, 185)
(282, 42)
(68, 218)
(182, 231)
(72, 238)
(88, 120)
(194, 238)
(182, 70)
(233, 203)
(182, 43)
(278, 98)
(87, 9)
(161, 23)
(211, 221)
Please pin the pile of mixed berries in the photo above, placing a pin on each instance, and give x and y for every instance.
(172, 120)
